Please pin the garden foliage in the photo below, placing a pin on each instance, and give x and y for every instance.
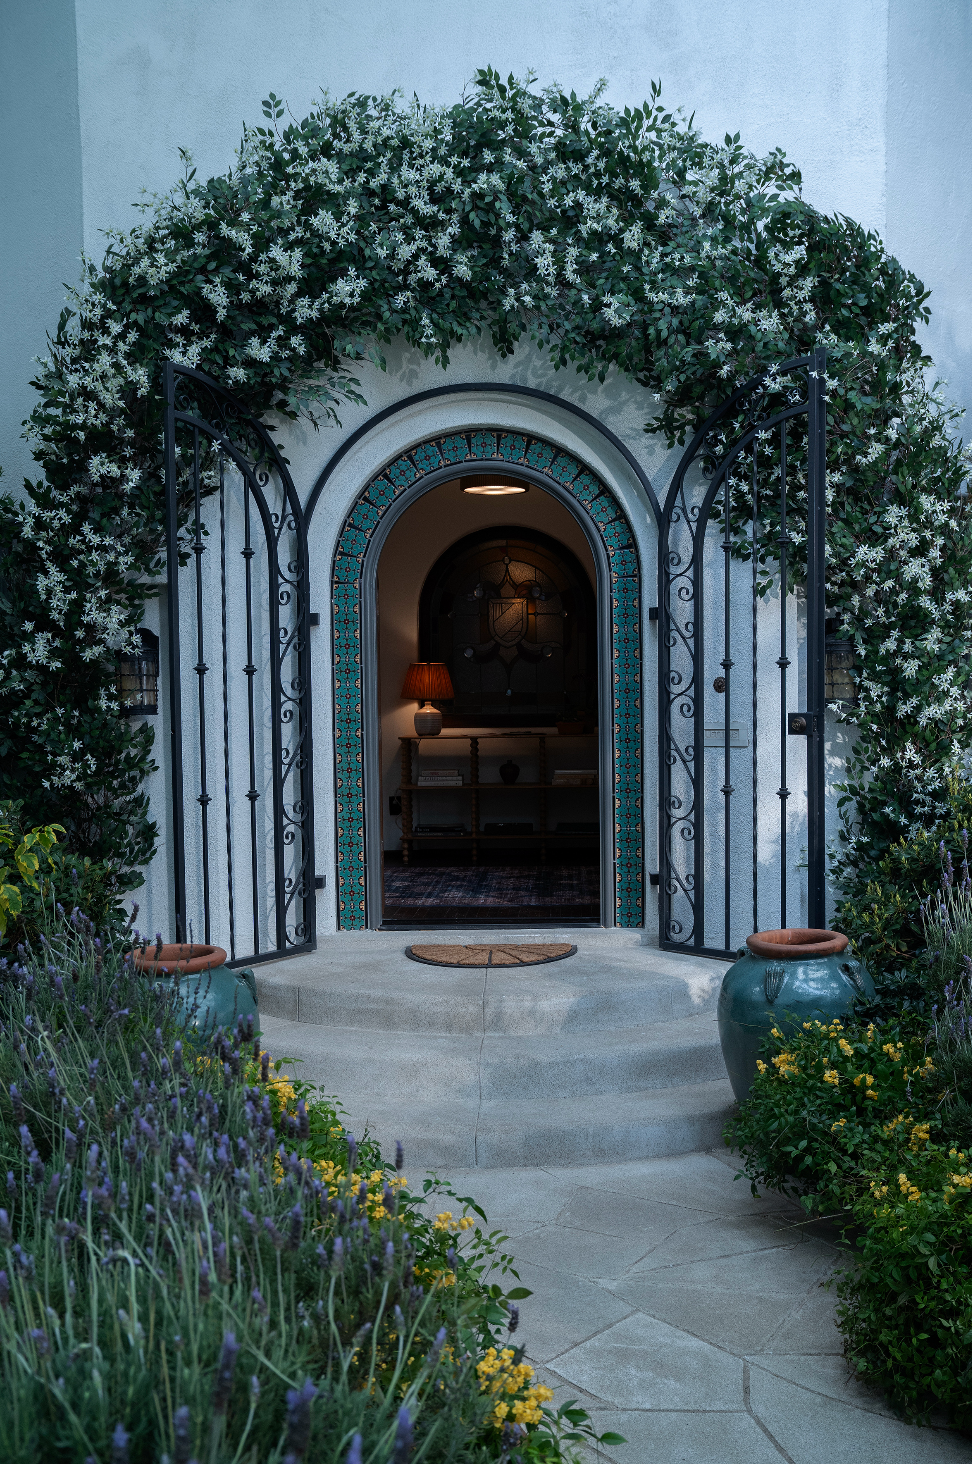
(870, 1122)
(198, 1262)
(615, 241)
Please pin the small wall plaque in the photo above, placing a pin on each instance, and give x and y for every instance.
(716, 736)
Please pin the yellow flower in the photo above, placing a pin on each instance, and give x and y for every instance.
(831, 1075)
(776, 1032)
(845, 1047)
(761, 1066)
(836, 1127)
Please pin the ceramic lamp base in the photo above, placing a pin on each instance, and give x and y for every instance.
(428, 721)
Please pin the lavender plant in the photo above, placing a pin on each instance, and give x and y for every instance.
(180, 1282)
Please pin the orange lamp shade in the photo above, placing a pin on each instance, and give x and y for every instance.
(427, 681)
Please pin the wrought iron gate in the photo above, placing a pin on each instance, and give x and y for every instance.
(243, 857)
(750, 490)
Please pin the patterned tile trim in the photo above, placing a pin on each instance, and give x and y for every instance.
(625, 651)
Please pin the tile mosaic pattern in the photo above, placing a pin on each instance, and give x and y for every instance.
(471, 448)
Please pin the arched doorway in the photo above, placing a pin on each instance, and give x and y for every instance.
(495, 820)
(619, 612)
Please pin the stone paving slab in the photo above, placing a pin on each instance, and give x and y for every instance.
(691, 1317)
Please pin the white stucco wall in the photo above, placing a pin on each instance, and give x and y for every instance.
(869, 97)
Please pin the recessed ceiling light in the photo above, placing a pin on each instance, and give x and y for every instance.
(491, 487)
(495, 490)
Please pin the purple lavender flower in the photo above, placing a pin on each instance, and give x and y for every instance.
(182, 1430)
(205, 1290)
(296, 1228)
(224, 1373)
(276, 1239)
(403, 1437)
(513, 1312)
(119, 1445)
(4, 1290)
(399, 1155)
(303, 1122)
(354, 1453)
(259, 1302)
(337, 1256)
(6, 1232)
(299, 1418)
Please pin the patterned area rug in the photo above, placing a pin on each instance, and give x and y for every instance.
(490, 955)
(497, 885)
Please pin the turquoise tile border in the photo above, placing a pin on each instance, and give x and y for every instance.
(625, 652)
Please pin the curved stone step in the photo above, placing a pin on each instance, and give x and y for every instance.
(423, 1066)
(558, 1131)
(378, 987)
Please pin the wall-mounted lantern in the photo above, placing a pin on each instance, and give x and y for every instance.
(138, 677)
(840, 662)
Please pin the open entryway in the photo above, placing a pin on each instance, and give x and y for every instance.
(514, 618)
(489, 717)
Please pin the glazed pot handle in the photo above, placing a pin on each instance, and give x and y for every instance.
(855, 975)
(773, 982)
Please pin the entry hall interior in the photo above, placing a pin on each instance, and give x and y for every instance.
(488, 630)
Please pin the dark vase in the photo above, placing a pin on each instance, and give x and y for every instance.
(509, 771)
(785, 978)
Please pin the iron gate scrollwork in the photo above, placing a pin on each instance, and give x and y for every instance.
(237, 577)
(749, 491)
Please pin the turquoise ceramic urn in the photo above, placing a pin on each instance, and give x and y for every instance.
(783, 979)
(212, 995)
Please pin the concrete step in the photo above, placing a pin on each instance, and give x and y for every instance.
(602, 988)
(610, 1055)
(423, 1066)
(556, 1131)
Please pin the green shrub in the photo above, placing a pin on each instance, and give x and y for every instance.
(199, 1261)
(880, 904)
(855, 1120)
(52, 876)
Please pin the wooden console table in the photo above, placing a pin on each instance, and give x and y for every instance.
(475, 789)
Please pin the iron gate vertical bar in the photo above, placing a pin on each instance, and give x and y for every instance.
(203, 799)
(816, 615)
(306, 769)
(175, 678)
(755, 709)
(225, 669)
(698, 751)
(276, 739)
(783, 792)
(250, 671)
(727, 663)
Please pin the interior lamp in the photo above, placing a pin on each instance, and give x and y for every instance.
(491, 486)
(425, 681)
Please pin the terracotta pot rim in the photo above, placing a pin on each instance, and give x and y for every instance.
(797, 943)
(188, 959)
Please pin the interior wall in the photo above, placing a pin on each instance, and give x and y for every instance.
(424, 532)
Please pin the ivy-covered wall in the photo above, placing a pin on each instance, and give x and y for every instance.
(867, 97)
(617, 243)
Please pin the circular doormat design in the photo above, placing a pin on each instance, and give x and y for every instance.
(492, 954)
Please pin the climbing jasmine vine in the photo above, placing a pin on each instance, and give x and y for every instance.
(614, 241)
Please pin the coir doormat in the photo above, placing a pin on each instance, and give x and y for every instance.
(492, 954)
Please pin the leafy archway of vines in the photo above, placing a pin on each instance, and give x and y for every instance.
(614, 241)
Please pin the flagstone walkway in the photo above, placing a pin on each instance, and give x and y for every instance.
(689, 1317)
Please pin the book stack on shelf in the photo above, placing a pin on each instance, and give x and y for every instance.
(574, 778)
(441, 778)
